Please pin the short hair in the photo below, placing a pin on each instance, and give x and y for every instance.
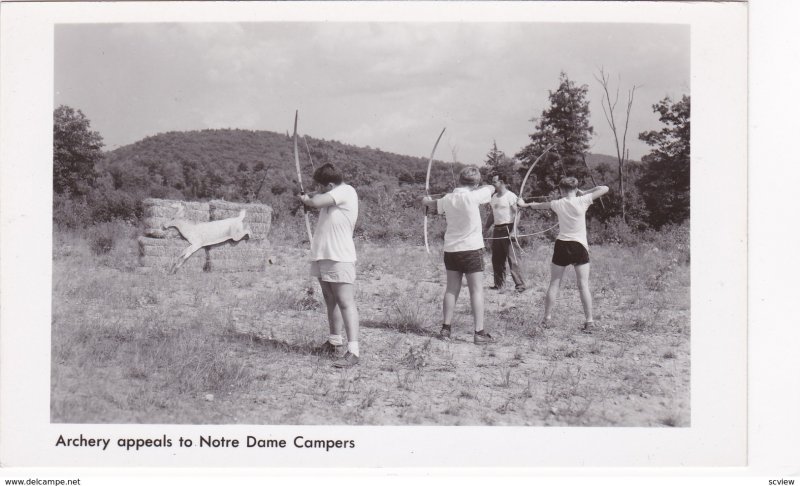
(497, 178)
(328, 174)
(469, 175)
(568, 183)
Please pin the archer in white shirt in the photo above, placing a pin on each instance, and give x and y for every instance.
(463, 248)
(502, 216)
(571, 247)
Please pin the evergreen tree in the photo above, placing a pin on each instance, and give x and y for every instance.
(564, 123)
(664, 183)
(495, 156)
(498, 164)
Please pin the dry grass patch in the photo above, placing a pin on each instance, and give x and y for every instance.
(133, 347)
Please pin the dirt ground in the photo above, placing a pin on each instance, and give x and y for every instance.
(133, 346)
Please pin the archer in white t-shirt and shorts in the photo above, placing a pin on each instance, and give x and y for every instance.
(333, 260)
(571, 247)
(463, 248)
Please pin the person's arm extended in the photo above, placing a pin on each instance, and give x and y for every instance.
(533, 205)
(485, 186)
(596, 192)
(318, 200)
(430, 203)
(514, 208)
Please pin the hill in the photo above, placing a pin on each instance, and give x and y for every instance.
(250, 165)
(258, 166)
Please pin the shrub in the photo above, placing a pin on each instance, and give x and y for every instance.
(101, 239)
(104, 237)
(614, 231)
(70, 213)
(673, 238)
(112, 205)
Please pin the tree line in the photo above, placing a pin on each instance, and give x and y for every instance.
(657, 189)
(91, 185)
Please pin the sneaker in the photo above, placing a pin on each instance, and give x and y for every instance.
(520, 288)
(445, 333)
(484, 338)
(330, 349)
(495, 287)
(588, 327)
(347, 361)
(546, 323)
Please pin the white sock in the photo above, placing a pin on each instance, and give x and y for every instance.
(352, 346)
(335, 339)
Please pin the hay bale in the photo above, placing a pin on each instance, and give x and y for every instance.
(165, 208)
(258, 217)
(171, 233)
(221, 205)
(163, 253)
(246, 255)
(159, 211)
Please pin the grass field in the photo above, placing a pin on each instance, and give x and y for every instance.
(201, 348)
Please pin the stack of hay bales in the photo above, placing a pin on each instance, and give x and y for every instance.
(161, 248)
(162, 253)
(253, 253)
(258, 216)
(159, 211)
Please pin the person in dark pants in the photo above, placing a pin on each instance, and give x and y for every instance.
(504, 210)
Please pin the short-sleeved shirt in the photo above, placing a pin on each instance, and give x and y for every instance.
(464, 228)
(572, 218)
(333, 237)
(502, 208)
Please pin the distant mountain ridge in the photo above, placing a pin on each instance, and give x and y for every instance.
(246, 164)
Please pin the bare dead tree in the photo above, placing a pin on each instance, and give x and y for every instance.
(454, 153)
(609, 110)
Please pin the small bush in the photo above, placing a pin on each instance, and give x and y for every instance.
(70, 213)
(101, 238)
(674, 239)
(418, 357)
(614, 231)
(405, 315)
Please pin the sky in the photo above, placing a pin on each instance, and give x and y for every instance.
(392, 86)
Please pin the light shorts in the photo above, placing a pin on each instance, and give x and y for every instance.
(333, 271)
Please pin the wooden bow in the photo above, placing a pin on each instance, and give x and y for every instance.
(521, 191)
(300, 178)
(427, 188)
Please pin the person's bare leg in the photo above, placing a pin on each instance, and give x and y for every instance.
(582, 274)
(556, 273)
(344, 294)
(475, 286)
(451, 296)
(333, 310)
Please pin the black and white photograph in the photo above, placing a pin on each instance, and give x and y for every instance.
(362, 229)
(252, 216)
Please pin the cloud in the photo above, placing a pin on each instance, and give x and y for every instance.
(391, 85)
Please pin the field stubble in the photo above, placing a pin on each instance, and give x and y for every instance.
(132, 347)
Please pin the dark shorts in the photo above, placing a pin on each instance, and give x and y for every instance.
(469, 261)
(568, 253)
